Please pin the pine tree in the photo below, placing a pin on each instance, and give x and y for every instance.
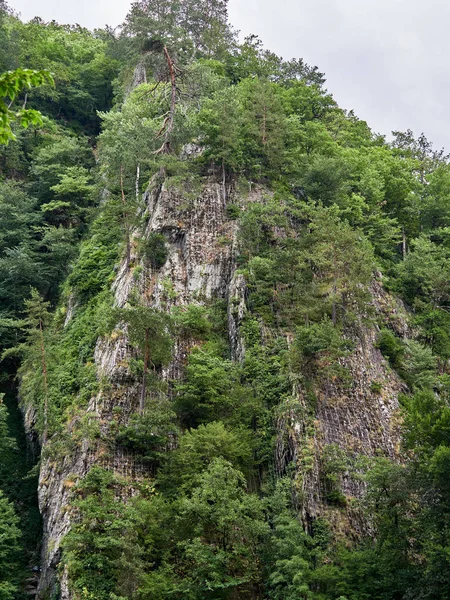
(149, 331)
(33, 351)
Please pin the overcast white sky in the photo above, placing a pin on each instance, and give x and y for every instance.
(386, 59)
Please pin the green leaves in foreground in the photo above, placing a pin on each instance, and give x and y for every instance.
(11, 85)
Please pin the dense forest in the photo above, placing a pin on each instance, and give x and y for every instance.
(324, 220)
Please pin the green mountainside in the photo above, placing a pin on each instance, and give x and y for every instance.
(225, 315)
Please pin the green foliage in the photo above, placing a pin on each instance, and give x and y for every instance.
(149, 331)
(153, 248)
(21, 265)
(146, 328)
(81, 68)
(293, 557)
(94, 268)
(200, 28)
(199, 447)
(226, 527)
(198, 545)
(70, 378)
(128, 139)
(243, 127)
(427, 422)
(282, 517)
(289, 573)
(422, 280)
(101, 538)
(192, 320)
(93, 271)
(329, 203)
(11, 84)
(304, 263)
(62, 179)
(7, 445)
(335, 464)
(46, 198)
(326, 180)
(9, 549)
(318, 349)
(205, 394)
(391, 347)
(233, 211)
(423, 274)
(411, 359)
(150, 434)
(419, 365)
(219, 528)
(19, 514)
(376, 387)
(253, 60)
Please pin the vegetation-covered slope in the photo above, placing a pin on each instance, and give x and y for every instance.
(179, 350)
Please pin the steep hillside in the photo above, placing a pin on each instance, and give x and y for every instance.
(232, 335)
(202, 244)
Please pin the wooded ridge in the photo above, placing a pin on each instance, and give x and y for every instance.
(225, 318)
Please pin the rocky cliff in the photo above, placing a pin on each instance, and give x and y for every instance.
(357, 417)
(201, 265)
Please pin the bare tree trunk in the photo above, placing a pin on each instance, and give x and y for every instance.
(144, 377)
(125, 218)
(224, 183)
(44, 372)
(138, 177)
(170, 120)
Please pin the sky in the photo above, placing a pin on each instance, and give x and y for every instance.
(385, 59)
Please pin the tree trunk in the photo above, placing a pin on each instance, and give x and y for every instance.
(224, 183)
(166, 148)
(144, 377)
(403, 243)
(138, 177)
(169, 122)
(125, 218)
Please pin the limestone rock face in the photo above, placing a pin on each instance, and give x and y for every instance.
(139, 77)
(200, 266)
(356, 418)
